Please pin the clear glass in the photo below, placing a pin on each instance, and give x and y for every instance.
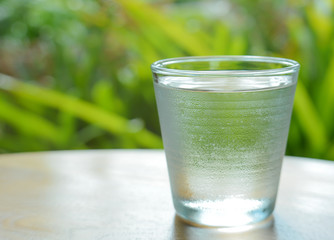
(224, 123)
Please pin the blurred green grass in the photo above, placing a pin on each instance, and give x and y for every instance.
(80, 70)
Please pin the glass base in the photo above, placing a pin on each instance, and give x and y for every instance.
(225, 213)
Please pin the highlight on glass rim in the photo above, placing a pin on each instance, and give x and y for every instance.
(76, 75)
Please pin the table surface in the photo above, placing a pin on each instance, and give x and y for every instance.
(125, 194)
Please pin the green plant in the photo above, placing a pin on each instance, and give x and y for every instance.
(85, 77)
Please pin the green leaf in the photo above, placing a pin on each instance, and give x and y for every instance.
(326, 94)
(111, 122)
(104, 96)
(309, 120)
(145, 14)
(221, 40)
(321, 24)
(22, 143)
(28, 123)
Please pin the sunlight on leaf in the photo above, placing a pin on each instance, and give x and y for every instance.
(147, 15)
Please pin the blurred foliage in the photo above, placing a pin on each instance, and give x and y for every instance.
(80, 69)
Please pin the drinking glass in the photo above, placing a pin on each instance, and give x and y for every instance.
(224, 123)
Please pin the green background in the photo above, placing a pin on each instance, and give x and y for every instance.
(80, 69)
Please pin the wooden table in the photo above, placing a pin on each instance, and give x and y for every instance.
(124, 194)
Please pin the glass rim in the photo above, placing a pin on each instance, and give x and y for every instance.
(288, 66)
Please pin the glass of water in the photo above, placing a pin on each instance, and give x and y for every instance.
(224, 122)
